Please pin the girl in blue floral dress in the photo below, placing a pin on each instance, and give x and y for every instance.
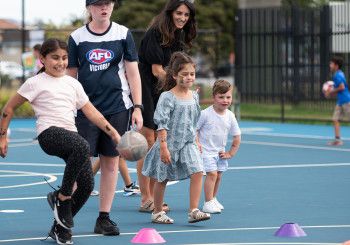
(175, 155)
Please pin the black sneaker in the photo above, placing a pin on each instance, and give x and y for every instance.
(106, 226)
(60, 234)
(61, 209)
(133, 189)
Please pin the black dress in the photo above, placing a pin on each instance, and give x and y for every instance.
(152, 52)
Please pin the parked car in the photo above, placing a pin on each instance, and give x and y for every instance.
(12, 69)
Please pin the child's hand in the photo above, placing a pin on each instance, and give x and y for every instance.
(327, 94)
(3, 146)
(199, 145)
(165, 155)
(116, 138)
(224, 155)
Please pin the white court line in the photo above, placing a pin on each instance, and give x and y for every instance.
(300, 136)
(21, 140)
(193, 231)
(32, 164)
(324, 165)
(23, 144)
(248, 142)
(51, 178)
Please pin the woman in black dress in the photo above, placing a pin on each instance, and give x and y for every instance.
(170, 31)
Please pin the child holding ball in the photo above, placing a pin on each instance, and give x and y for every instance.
(341, 90)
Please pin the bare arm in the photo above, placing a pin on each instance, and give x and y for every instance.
(233, 150)
(6, 117)
(100, 121)
(134, 80)
(73, 72)
(198, 143)
(332, 92)
(336, 90)
(164, 152)
(158, 71)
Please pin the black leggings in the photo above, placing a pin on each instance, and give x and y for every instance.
(75, 151)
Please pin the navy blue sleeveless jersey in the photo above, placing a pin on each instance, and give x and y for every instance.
(100, 62)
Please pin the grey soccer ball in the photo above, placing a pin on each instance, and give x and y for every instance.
(132, 146)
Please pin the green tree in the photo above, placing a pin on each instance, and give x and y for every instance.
(211, 15)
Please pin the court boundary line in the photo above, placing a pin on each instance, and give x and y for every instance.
(285, 135)
(311, 165)
(51, 178)
(263, 143)
(190, 231)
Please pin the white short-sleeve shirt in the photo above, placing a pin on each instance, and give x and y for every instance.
(54, 100)
(213, 130)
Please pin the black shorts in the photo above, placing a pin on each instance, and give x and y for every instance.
(149, 100)
(100, 142)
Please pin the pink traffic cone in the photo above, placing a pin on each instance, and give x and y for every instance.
(290, 230)
(148, 236)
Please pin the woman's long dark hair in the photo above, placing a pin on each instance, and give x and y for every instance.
(49, 46)
(164, 23)
(177, 61)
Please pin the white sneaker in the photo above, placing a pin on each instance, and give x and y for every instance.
(219, 205)
(210, 207)
(94, 193)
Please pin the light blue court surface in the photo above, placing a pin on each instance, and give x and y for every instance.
(282, 173)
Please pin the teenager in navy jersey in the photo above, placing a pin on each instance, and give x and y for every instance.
(102, 54)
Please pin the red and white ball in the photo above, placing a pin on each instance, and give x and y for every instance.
(327, 86)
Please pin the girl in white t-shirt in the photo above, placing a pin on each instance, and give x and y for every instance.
(55, 97)
(214, 125)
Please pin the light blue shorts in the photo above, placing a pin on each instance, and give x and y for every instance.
(215, 164)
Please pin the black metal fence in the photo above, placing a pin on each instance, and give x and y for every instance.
(282, 54)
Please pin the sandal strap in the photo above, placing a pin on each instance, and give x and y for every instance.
(197, 214)
(147, 204)
(162, 217)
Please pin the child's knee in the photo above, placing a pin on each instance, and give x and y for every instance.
(212, 175)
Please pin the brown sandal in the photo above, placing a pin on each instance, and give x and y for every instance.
(147, 207)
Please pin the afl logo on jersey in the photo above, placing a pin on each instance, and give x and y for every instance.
(99, 56)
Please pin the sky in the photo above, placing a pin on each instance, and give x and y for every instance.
(58, 11)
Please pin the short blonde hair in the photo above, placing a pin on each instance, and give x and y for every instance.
(221, 87)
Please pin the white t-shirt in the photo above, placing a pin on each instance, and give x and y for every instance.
(54, 100)
(213, 130)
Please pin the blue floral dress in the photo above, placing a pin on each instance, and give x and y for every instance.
(179, 118)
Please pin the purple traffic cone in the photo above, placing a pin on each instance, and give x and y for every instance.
(290, 230)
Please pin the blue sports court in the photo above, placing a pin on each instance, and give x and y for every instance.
(282, 173)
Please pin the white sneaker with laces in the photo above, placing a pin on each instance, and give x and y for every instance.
(218, 204)
(211, 207)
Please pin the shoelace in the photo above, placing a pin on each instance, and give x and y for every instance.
(59, 187)
(111, 221)
(48, 235)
